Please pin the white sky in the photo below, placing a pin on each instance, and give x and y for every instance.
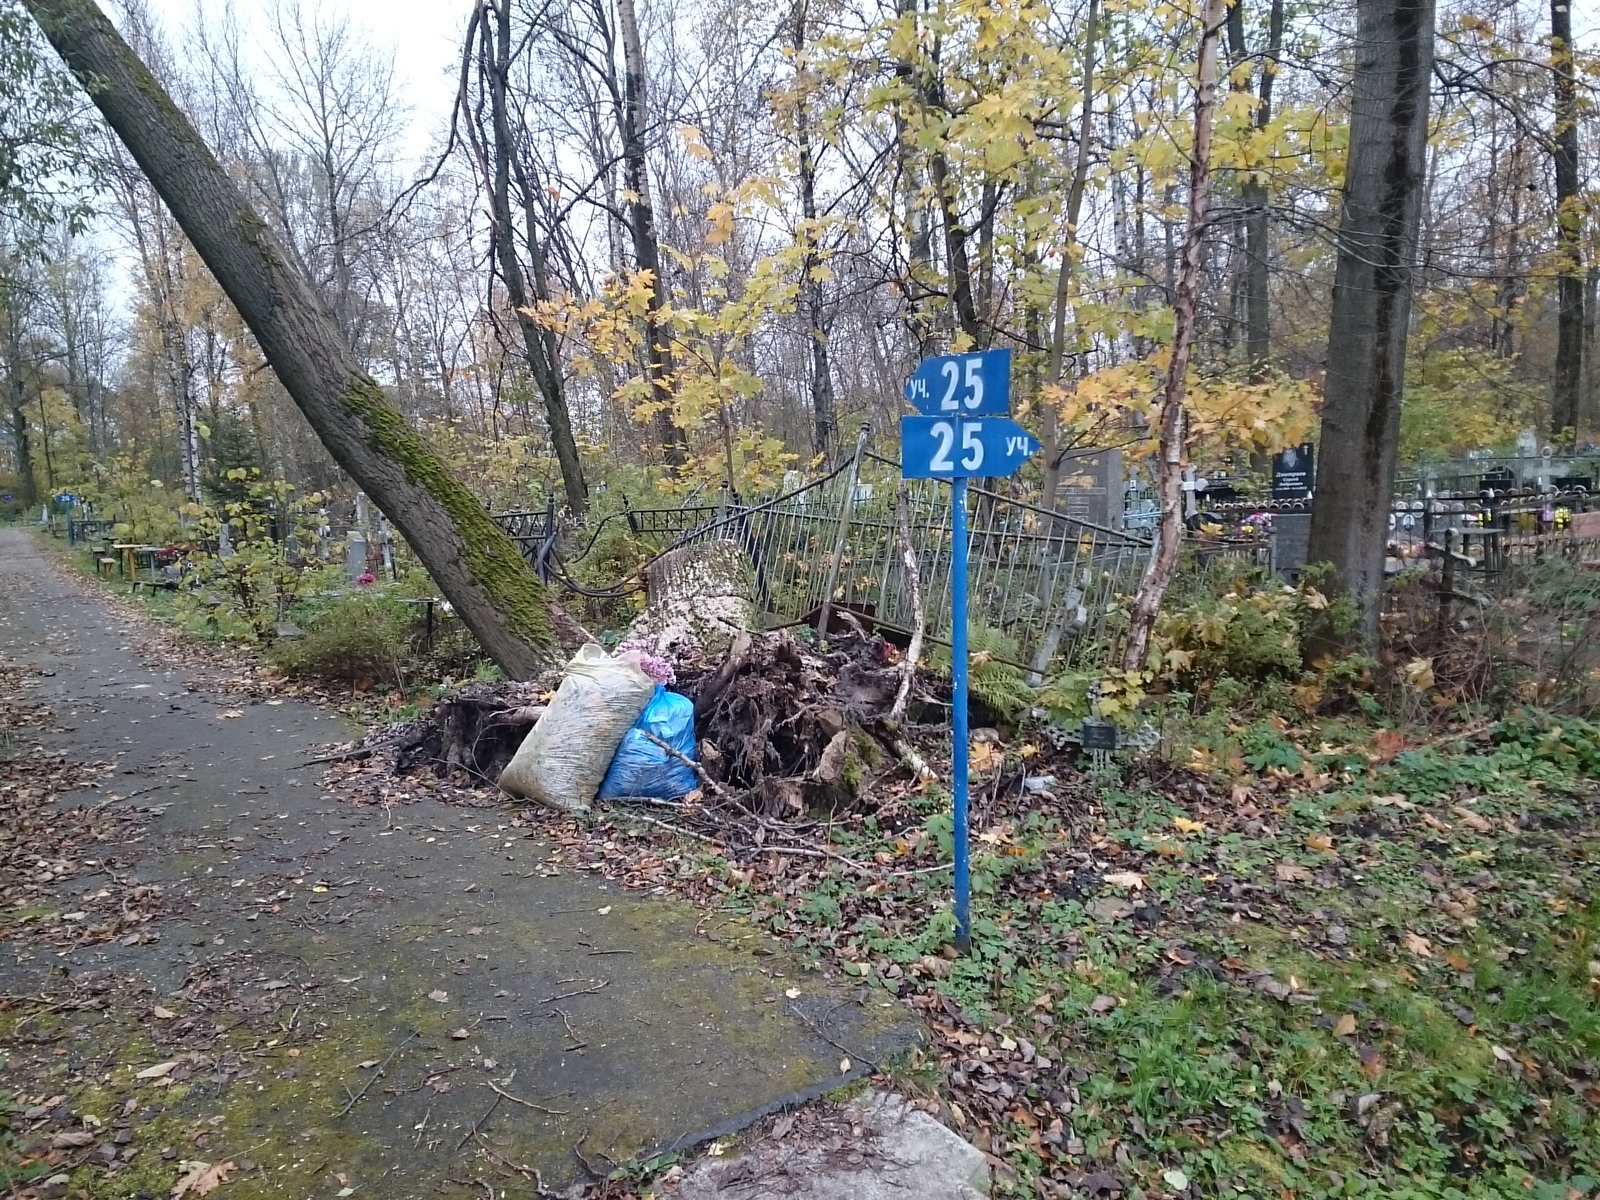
(424, 35)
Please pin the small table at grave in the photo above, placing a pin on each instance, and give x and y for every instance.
(124, 552)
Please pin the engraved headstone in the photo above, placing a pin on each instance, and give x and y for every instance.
(1294, 472)
(1291, 537)
(1092, 488)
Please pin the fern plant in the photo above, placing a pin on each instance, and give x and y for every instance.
(992, 677)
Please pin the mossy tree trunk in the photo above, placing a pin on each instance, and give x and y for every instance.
(474, 563)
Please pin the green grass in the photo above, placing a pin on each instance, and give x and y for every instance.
(1442, 1031)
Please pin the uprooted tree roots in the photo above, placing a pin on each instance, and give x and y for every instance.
(798, 728)
(476, 729)
(782, 726)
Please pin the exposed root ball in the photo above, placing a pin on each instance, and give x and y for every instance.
(796, 727)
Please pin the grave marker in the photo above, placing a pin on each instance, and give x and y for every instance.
(1092, 488)
(1294, 472)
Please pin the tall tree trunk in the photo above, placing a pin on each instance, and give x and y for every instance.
(539, 344)
(15, 365)
(21, 440)
(1163, 564)
(1569, 227)
(157, 251)
(474, 563)
(1050, 425)
(1372, 296)
(27, 481)
(823, 420)
(44, 445)
(1254, 196)
(919, 234)
(1591, 295)
(646, 244)
(180, 362)
(957, 260)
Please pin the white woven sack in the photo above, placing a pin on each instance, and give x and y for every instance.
(565, 756)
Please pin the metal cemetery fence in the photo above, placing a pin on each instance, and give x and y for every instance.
(1043, 580)
(1046, 581)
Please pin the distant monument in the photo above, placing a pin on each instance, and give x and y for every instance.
(1092, 488)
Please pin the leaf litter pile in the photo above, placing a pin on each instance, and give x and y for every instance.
(1315, 959)
(44, 845)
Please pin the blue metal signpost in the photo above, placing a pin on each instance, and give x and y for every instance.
(964, 431)
(958, 448)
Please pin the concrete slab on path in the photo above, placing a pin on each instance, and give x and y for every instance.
(891, 1151)
(563, 1020)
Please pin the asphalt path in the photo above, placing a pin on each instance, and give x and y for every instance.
(514, 1014)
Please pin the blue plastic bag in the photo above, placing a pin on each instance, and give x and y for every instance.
(642, 768)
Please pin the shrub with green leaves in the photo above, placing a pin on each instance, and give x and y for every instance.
(256, 585)
(378, 632)
(363, 633)
(1241, 628)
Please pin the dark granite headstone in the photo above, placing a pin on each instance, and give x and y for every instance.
(1294, 472)
(1092, 488)
(1291, 535)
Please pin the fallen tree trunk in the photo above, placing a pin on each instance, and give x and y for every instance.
(700, 601)
(475, 565)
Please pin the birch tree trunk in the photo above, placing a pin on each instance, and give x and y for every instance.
(1384, 182)
(1169, 466)
(474, 563)
(822, 396)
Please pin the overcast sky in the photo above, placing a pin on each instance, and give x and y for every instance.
(424, 36)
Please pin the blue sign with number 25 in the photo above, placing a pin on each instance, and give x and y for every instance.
(962, 385)
(940, 448)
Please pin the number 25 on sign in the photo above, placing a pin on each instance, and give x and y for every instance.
(954, 448)
(967, 385)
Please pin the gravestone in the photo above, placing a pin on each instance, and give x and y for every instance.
(1291, 537)
(1294, 472)
(355, 555)
(1092, 488)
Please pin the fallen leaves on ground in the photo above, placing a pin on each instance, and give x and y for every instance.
(201, 1179)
